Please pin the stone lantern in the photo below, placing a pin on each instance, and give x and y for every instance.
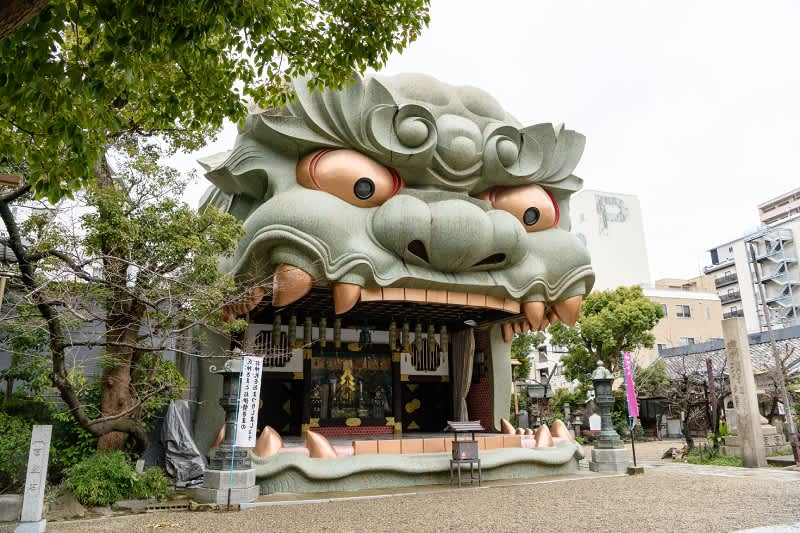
(603, 397)
(608, 454)
(230, 478)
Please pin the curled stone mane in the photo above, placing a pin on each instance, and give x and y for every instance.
(433, 134)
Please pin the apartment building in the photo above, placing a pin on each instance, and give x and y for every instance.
(611, 226)
(784, 206)
(769, 254)
(691, 315)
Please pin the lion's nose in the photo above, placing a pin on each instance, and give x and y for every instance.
(448, 236)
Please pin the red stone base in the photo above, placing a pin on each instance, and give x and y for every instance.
(354, 431)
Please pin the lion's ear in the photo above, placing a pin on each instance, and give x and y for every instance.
(241, 171)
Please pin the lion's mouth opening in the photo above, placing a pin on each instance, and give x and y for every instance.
(291, 284)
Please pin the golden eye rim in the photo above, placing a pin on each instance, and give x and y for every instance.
(307, 176)
(491, 195)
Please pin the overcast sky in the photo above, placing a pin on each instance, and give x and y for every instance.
(692, 106)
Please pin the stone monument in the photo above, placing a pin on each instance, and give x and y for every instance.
(774, 442)
(750, 437)
(31, 520)
(230, 478)
(608, 454)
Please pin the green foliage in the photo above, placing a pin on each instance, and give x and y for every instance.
(73, 443)
(702, 455)
(85, 72)
(611, 322)
(153, 483)
(15, 439)
(28, 364)
(521, 347)
(574, 399)
(652, 381)
(104, 478)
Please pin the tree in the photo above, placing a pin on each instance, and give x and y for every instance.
(129, 270)
(521, 347)
(82, 74)
(652, 381)
(85, 78)
(687, 395)
(611, 322)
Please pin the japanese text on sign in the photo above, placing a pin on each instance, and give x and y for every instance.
(249, 399)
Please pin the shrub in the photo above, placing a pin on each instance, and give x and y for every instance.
(702, 455)
(15, 439)
(102, 479)
(105, 478)
(153, 484)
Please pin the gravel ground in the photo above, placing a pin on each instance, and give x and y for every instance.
(668, 497)
(663, 499)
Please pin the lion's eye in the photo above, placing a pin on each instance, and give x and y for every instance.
(349, 175)
(531, 204)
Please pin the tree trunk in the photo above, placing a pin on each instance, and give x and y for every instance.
(16, 13)
(115, 398)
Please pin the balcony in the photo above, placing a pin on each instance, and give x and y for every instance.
(718, 266)
(731, 297)
(731, 314)
(727, 279)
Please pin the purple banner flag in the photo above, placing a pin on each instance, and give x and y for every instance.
(630, 388)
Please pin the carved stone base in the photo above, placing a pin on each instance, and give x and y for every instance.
(605, 460)
(220, 496)
(216, 483)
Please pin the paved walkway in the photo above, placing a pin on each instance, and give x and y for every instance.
(668, 497)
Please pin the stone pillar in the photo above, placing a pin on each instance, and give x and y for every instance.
(31, 520)
(743, 390)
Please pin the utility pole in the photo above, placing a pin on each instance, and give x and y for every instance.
(787, 406)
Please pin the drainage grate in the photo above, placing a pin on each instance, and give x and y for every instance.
(168, 506)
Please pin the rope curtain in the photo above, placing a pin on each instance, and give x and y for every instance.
(463, 344)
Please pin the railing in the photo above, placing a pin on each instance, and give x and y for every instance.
(727, 279)
(731, 297)
(731, 314)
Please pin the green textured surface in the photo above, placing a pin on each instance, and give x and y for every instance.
(291, 472)
(209, 415)
(447, 143)
(500, 384)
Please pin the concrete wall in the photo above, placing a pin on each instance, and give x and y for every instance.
(611, 226)
(703, 324)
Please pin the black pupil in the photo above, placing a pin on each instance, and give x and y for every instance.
(531, 216)
(365, 188)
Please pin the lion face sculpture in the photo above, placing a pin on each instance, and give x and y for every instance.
(406, 182)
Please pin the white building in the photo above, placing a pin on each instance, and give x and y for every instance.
(784, 206)
(734, 272)
(611, 226)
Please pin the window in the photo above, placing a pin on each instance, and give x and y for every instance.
(686, 341)
(733, 310)
(683, 311)
(661, 347)
(730, 249)
(730, 291)
(664, 310)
